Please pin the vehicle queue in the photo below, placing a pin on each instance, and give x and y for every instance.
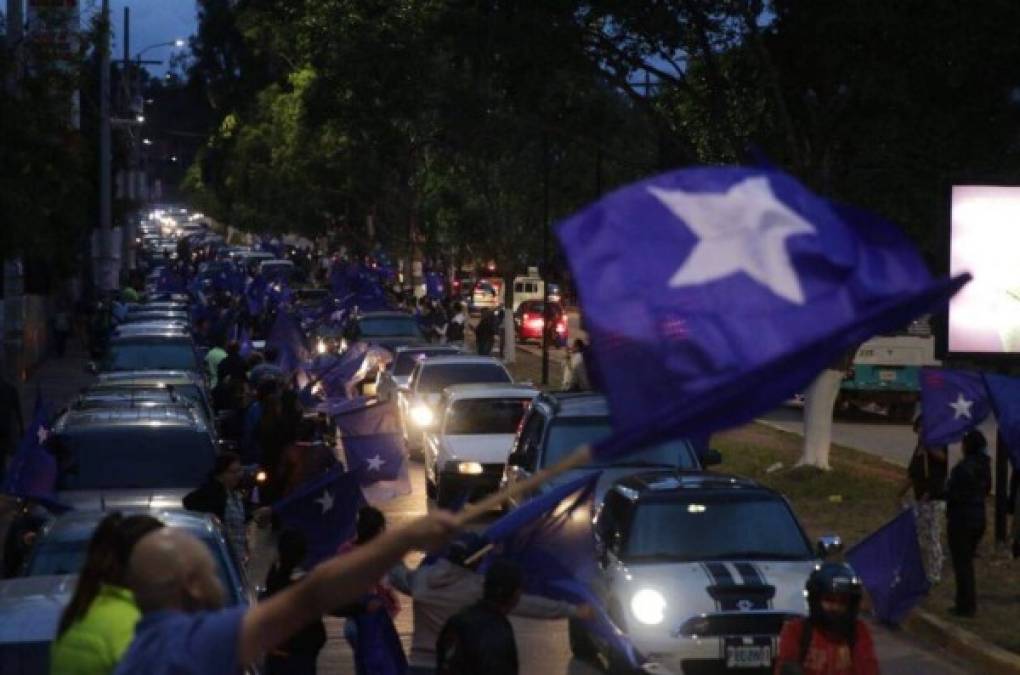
(698, 569)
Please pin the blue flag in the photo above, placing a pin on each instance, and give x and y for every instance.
(377, 649)
(365, 416)
(952, 403)
(256, 295)
(1005, 395)
(711, 295)
(339, 378)
(244, 339)
(324, 511)
(550, 537)
(374, 449)
(888, 561)
(32, 472)
(289, 341)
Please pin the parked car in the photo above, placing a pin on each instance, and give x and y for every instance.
(155, 316)
(529, 320)
(389, 380)
(162, 327)
(386, 329)
(120, 457)
(181, 382)
(155, 350)
(556, 424)
(466, 450)
(417, 403)
(699, 570)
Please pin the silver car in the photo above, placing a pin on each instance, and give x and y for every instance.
(390, 380)
(184, 383)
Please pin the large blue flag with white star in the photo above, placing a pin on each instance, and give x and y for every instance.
(324, 511)
(952, 403)
(373, 448)
(711, 295)
(889, 563)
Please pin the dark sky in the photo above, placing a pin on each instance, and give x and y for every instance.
(152, 22)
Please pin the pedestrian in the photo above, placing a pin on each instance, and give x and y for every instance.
(480, 639)
(184, 629)
(269, 367)
(969, 484)
(219, 496)
(575, 371)
(485, 332)
(98, 623)
(443, 587)
(212, 361)
(232, 365)
(455, 329)
(251, 446)
(299, 654)
(830, 640)
(926, 474)
(12, 423)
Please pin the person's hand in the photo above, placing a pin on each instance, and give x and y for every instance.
(432, 531)
(584, 612)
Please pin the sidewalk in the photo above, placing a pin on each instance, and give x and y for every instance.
(57, 379)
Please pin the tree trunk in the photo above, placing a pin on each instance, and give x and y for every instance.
(819, 401)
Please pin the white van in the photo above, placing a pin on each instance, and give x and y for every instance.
(528, 288)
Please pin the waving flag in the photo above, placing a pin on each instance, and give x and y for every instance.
(889, 564)
(711, 295)
(324, 511)
(374, 449)
(952, 403)
(1005, 395)
(289, 341)
(550, 537)
(32, 472)
(244, 338)
(378, 649)
(339, 377)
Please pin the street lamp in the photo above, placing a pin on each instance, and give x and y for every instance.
(177, 43)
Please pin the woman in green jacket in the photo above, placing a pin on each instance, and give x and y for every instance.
(99, 623)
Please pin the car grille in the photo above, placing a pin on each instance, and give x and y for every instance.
(737, 623)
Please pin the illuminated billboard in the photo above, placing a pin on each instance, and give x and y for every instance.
(984, 239)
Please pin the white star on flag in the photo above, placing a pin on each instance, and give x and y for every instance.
(375, 463)
(741, 230)
(326, 501)
(42, 434)
(961, 407)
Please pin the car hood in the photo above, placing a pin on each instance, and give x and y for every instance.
(391, 343)
(110, 500)
(31, 607)
(484, 448)
(609, 476)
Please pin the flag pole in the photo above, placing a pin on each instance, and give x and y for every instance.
(471, 512)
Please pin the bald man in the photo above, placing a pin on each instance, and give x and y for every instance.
(185, 631)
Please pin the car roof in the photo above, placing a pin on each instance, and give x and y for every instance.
(579, 404)
(75, 525)
(145, 377)
(126, 394)
(154, 335)
(428, 348)
(459, 392)
(458, 359)
(152, 328)
(165, 417)
(670, 484)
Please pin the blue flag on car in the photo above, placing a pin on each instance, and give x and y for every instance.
(550, 537)
(324, 511)
(32, 472)
(952, 403)
(1005, 395)
(889, 563)
(289, 341)
(374, 448)
(711, 295)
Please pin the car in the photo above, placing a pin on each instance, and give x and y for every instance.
(158, 306)
(181, 382)
(558, 423)
(389, 380)
(466, 449)
(156, 350)
(386, 329)
(128, 397)
(487, 294)
(529, 318)
(155, 315)
(417, 403)
(699, 570)
(149, 327)
(120, 457)
(278, 270)
(528, 288)
(32, 604)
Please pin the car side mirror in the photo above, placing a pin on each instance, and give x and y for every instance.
(829, 545)
(518, 459)
(712, 457)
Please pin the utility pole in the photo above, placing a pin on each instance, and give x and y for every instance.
(130, 173)
(546, 309)
(105, 206)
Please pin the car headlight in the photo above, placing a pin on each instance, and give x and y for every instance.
(648, 607)
(320, 346)
(260, 476)
(471, 468)
(421, 415)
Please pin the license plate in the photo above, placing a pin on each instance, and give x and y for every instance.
(748, 657)
(887, 375)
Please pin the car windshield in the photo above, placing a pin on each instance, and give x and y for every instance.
(755, 528)
(67, 556)
(408, 359)
(566, 435)
(437, 378)
(135, 457)
(391, 326)
(486, 415)
(150, 355)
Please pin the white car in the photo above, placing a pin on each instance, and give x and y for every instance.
(405, 357)
(417, 403)
(699, 570)
(466, 450)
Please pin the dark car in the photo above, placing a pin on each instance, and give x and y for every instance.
(529, 319)
(181, 382)
(386, 329)
(151, 351)
(143, 315)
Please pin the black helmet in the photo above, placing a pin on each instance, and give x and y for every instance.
(835, 579)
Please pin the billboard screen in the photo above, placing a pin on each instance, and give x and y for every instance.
(984, 239)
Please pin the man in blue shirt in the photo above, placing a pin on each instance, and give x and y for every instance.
(183, 631)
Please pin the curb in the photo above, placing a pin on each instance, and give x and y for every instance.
(987, 657)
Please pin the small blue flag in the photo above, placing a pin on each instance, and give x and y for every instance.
(245, 342)
(289, 341)
(374, 449)
(952, 403)
(324, 511)
(1005, 394)
(377, 649)
(889, 563)
(711, 295)
(550, 537)
(32, 472)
